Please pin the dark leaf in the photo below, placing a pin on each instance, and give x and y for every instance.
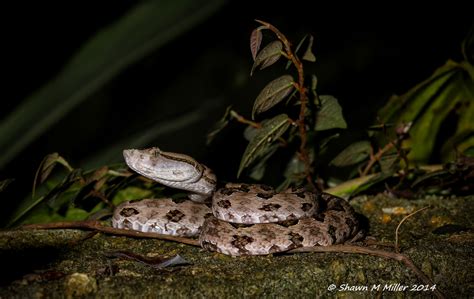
(157, 262)
(265, 137)
(273, 93)
(314, 85)
(308, 54)
(69, 180)
(449, 91)
(268, 56)
(296, 50)
(46, 167)
(329, 116)
(255, 41)
(353, 154)
(250, 132)
(373, 181)
(98, 174)
(60, 189)
(428, 177)
(145, 27)
(84, 192)
(219, 126)
(259, 169)
(5, 183)
(390, 163)
(294, 167)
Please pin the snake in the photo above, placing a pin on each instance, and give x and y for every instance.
(236, 219)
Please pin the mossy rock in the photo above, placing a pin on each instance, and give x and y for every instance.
(72, 263)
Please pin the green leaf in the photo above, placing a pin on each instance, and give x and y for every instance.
(130, 193)
(273, 93)
(219, 126)
(374, 180)
(448, 94)
(148, 26)
(314, 85)
(329, 116)
(390, 163)
(259, 169)
(265, 137)
(76, 214)
(456, 92)
(297, 49)
(29, 203)
(404, 108)
(268, 56)
(256, 41)
(46, 167)
(353, 154)
(308, 54)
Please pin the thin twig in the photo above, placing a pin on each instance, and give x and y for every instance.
(375, 252)
(303, 151)
(397, 249)
(97, 226)
(375, 158)
(243, 120)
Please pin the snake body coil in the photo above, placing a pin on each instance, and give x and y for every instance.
(243, 219)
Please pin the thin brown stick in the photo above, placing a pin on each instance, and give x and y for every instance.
(397, 249)
(243, 120)
(375, 158)
(97, 226)
(303, 152)
(374, 252)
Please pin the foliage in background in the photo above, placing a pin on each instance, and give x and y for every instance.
(409, 125)
(77, 194)
(447, 96)
(289, 114)
(148, 26)
(295, 129)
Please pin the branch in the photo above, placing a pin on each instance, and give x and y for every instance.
(97, 226)
(303, 152)
(375, 158)
(374, 252)
(243, 120)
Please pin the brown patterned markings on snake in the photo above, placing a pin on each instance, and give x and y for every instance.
(286, 220)
(162, 216)
(243, 203)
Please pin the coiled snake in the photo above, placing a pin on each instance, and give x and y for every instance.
(243, 219)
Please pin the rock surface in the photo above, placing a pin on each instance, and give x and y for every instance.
(73, 263)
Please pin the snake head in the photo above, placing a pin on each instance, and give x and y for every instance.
(163, 166)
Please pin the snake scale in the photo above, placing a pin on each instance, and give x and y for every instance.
(241, 219)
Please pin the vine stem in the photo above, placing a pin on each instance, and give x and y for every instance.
(397, 248)
(303, 151)
(98, 227)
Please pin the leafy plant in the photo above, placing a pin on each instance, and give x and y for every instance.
(307, 133)
(78, 194)
(407, 133)
(317, 113)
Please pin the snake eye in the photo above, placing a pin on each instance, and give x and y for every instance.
(156, 152)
